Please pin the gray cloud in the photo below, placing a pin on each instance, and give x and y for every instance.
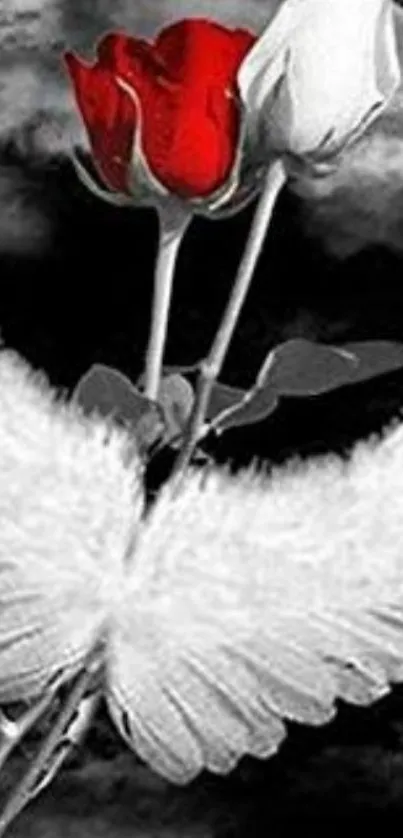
(143, 17)
(23, 227)
(362, 203)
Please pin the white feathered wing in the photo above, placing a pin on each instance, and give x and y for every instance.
(254, 600)
(68, 505)
(246, 602)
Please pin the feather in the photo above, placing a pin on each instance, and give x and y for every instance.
(67, 507)
(256, 599)
(241, 604)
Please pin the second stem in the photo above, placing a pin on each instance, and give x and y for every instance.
(211, 366)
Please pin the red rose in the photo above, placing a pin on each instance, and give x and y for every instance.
(172, 103)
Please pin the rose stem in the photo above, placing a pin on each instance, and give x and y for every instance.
(173, 225)
(13, 731)
(210, 367)
(24, 791)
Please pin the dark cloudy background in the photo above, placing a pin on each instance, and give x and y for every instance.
(76, 274)
(75, 288)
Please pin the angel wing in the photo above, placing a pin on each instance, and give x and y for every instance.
(256, 599)
(68, 505)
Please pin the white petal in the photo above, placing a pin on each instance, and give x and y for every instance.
(264, 64)
(255, 600)
(67, 509)
(336, 66)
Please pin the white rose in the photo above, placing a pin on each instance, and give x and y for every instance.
(320, 73)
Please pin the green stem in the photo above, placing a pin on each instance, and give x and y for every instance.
(210, 368)
(173, 226)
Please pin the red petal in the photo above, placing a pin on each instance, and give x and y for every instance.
(190, 126)
(109, 116)
(199, 50)
(194, 149)
(133, 59)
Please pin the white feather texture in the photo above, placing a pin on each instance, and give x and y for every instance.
(240, 604)
(256, 600)
(67, 507)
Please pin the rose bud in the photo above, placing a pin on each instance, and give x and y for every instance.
(320, 73)
(163, 118)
